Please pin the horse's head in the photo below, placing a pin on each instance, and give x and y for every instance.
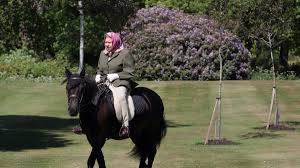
(75, 88)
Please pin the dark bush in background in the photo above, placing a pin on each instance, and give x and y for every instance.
(169, 44)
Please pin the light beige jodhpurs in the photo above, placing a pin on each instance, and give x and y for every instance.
(120, 95)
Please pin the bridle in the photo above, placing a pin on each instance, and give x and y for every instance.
(77, 97)
(74, 95)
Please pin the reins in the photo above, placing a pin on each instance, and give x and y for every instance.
(102, 88)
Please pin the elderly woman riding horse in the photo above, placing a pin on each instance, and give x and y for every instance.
(99, 122)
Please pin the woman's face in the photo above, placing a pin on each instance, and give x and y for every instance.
(108, 44)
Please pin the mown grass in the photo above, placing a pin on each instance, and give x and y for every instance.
(35, 129)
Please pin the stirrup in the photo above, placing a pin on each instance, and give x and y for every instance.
(77, 130)
(124, 132)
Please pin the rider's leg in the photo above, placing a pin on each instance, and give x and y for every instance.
(121, 95)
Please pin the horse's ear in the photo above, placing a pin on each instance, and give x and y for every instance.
(82, 72)
(68, 73)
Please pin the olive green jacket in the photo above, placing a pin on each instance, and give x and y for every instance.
(122, 63)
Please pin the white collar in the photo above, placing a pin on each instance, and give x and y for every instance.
(118, 50)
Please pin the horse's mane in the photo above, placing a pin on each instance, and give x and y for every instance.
(101, 88)
(87, 79)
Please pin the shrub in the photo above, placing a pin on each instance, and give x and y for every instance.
(24, 62)
(266, 74)
(169, 45)
(295, 67)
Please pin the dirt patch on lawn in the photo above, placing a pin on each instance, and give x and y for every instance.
(284, 126)
(222, 141)
(251, 135)
(281, 127)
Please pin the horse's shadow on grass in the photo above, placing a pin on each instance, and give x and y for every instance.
(20, 132)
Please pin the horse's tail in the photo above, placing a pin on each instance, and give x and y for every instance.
(137, 151)
(156, 109)
(163, 130)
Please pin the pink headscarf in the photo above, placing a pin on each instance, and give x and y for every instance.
(116, 40)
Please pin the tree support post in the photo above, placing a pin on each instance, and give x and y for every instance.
(274, 99)
(216, 115)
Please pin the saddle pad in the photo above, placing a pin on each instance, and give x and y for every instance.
(140, 104)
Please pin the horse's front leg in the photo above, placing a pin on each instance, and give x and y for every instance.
(97, 143)
(92, 159)
(100, 159)
(96, 153)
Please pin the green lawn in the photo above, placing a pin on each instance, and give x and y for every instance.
(35, 129)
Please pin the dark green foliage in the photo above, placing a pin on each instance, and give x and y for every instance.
(27, 24)
(252, 20)
(296, 25)
(50, 27)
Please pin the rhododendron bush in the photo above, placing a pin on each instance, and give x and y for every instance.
(169, 45)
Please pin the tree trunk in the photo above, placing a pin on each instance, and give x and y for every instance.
(284, 55)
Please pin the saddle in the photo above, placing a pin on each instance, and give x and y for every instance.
(136, 103)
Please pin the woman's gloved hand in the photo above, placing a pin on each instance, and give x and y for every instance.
(98, 78)
(112, 77)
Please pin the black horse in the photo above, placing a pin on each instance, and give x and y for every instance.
(98, 119)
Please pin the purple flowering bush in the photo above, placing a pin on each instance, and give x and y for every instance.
(172, 45)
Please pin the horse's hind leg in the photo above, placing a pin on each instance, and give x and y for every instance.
(151, 157)
(143, 161)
